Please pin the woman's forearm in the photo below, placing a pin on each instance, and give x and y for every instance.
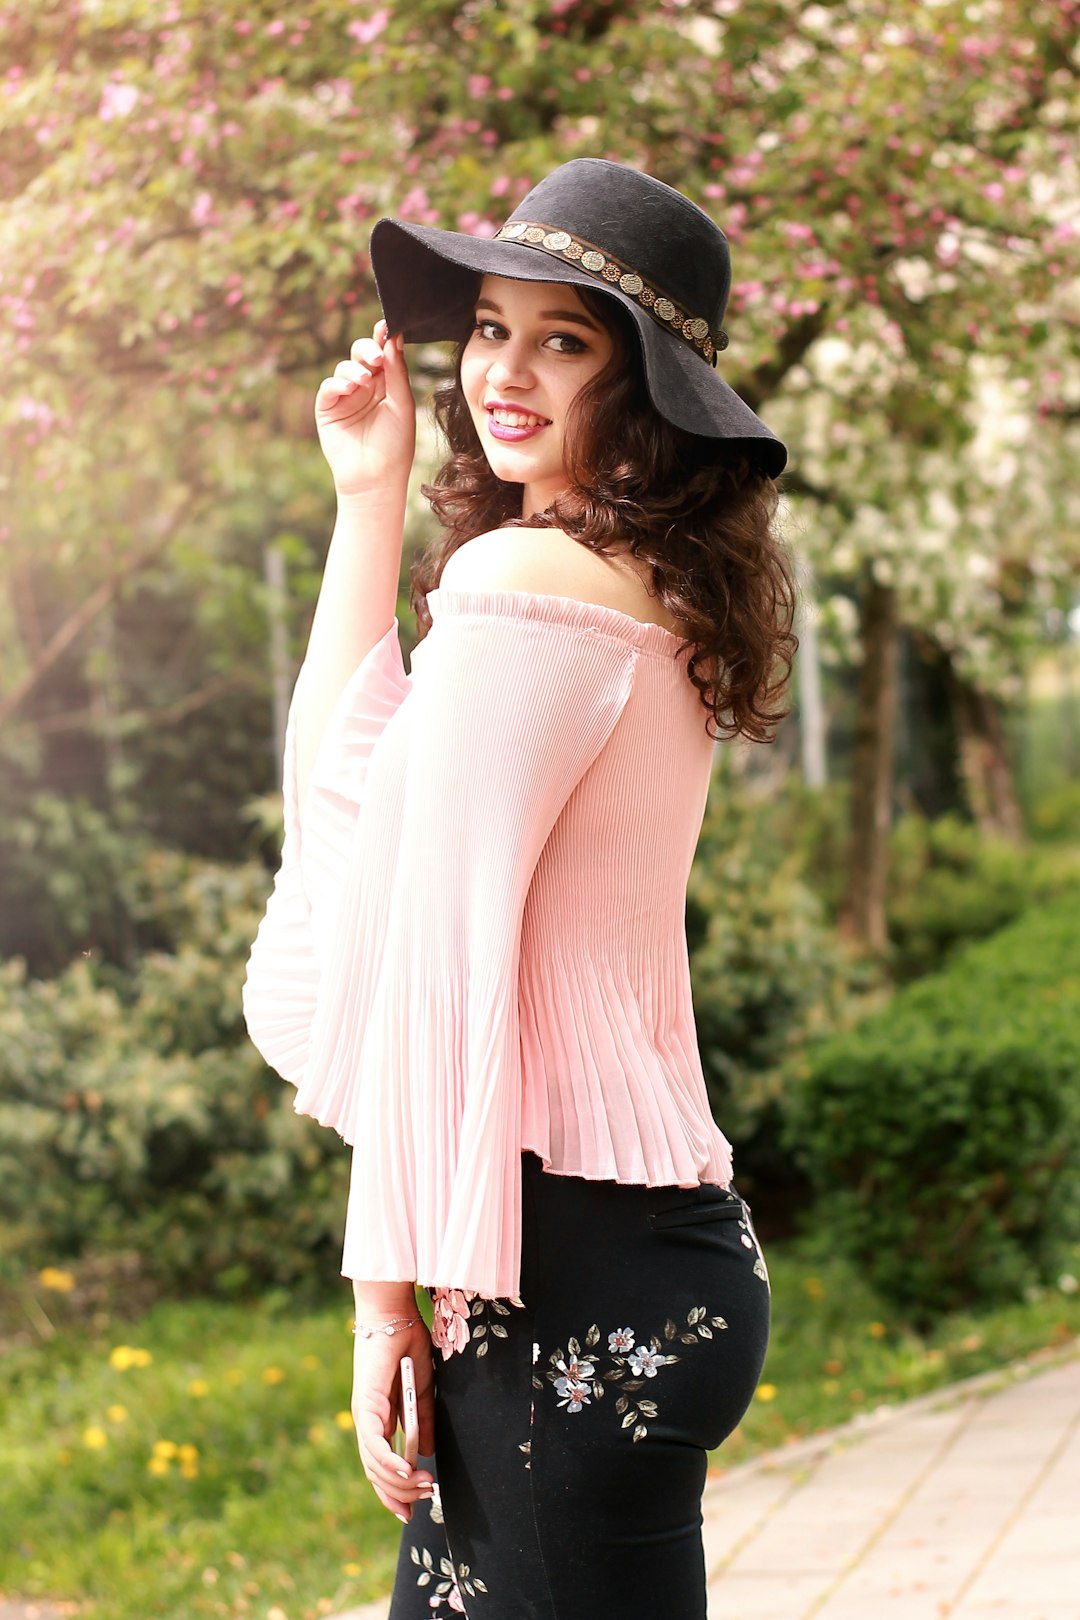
(376, 1301)
(356, 606)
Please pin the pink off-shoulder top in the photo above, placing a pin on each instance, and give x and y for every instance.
(476, 940)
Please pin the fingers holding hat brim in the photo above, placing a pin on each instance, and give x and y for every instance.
(428, 280)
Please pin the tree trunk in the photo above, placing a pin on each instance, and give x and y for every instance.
(863, 916)
(985, 767)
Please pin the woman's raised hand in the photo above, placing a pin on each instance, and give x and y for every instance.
(366, 417)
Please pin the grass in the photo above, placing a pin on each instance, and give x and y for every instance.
(199, 1460)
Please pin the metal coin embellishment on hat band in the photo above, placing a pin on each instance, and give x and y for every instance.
(694, 330)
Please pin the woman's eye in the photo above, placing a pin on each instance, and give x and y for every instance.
(489, 329)
(569, 344)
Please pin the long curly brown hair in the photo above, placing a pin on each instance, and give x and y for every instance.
(695, 509)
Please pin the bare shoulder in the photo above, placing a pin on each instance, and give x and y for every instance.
(551, 563)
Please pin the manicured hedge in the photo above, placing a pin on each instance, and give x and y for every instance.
(942, 1136)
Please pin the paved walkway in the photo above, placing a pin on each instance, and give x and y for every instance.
(961, 1505)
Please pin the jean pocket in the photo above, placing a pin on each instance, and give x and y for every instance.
(697, 1213)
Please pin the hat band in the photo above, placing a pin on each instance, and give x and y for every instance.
(693, 329)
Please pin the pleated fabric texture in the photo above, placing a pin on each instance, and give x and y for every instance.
(476, 942)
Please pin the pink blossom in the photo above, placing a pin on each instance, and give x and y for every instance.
(365, 32)
(243, 26)
(995, 192)
(202, 209)
(500, 185)
(117, 101)
(275, 27)
(504, 93)
(450, 1322)
(478, 84)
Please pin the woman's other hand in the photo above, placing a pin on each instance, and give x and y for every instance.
(365, 415)
(376, 1410)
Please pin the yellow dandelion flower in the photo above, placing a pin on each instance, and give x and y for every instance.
(94, 1438)
(343, 1420)
(766, 1392)
(120, 1357)
(316, 1434)
(234, 1376)
(352, 1568)
(164, 1448)
(876, 1330)
(273, 1375)
(158, 1466)
(187, 1452)
(814, 1287)
(117, 1414)
(63, 1457)
(973, 1341)
(61, 1282)
(830, 1386)
(833, 1367)
(856, 1395)
(141, 1358)
(189, 1470)
(199, 1388)
(311, 1363)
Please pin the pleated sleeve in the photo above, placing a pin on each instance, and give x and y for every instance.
(416, 1052)
(287, 962)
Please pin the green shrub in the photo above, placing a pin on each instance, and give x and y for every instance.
(942, 1135)
(768, 970)
(949, 884)
(1057, 816)
(135, 1114)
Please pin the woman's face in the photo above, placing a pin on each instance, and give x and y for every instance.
(533, 347)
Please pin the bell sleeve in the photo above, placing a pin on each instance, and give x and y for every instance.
(415, 1055)
(287, 960)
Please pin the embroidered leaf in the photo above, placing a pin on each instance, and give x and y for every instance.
(618, 1371)
(499, 1308)
(426, 1555)
(573, 1347)
(654, 1342)
(633, 1383)
(703, 1331)
(695, 1315)
(478, 1583)
(648, 1407)
(482, 1349)
(477, 1308)
(525, 1446)
(640, 1432)
(515, 1299)
(414, 1554)
(688, 1338)
(622, 1403)
(598, 1390)
(718, 1321)
(469, 1588)
(537, 1383)
(670, 1329)
(555, 1357)
(424, 1579)
(592, 1337)
(631, 1417)
(499, 1331)
(478, 1332)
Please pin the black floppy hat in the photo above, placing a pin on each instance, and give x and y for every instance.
(598, 224)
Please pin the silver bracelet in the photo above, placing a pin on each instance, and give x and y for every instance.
(396, 1325)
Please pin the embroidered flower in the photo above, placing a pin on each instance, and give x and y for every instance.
(450, 1322)
(620, 1341)
(645, 1362)
(573, 1387)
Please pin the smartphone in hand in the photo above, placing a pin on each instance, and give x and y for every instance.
(410, 1422)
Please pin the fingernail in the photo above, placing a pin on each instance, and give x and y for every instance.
(402, 1517)
(402, 1473)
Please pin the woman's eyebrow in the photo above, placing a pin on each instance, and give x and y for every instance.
(545, 314)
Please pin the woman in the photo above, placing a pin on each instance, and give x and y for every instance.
(474, 962)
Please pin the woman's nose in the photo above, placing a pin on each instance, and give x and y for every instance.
(510, 367)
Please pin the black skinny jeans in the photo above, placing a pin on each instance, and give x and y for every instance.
(571, 1429)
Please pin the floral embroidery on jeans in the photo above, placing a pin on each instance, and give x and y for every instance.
(458, 1319)
(447, 1583)
(749, 1239)
(580, 1378)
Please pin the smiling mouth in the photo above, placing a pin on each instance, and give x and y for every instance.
(516, 419)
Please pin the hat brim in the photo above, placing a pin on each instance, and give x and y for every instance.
(427, 281)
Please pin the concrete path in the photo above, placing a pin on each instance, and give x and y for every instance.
(961, 1505)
